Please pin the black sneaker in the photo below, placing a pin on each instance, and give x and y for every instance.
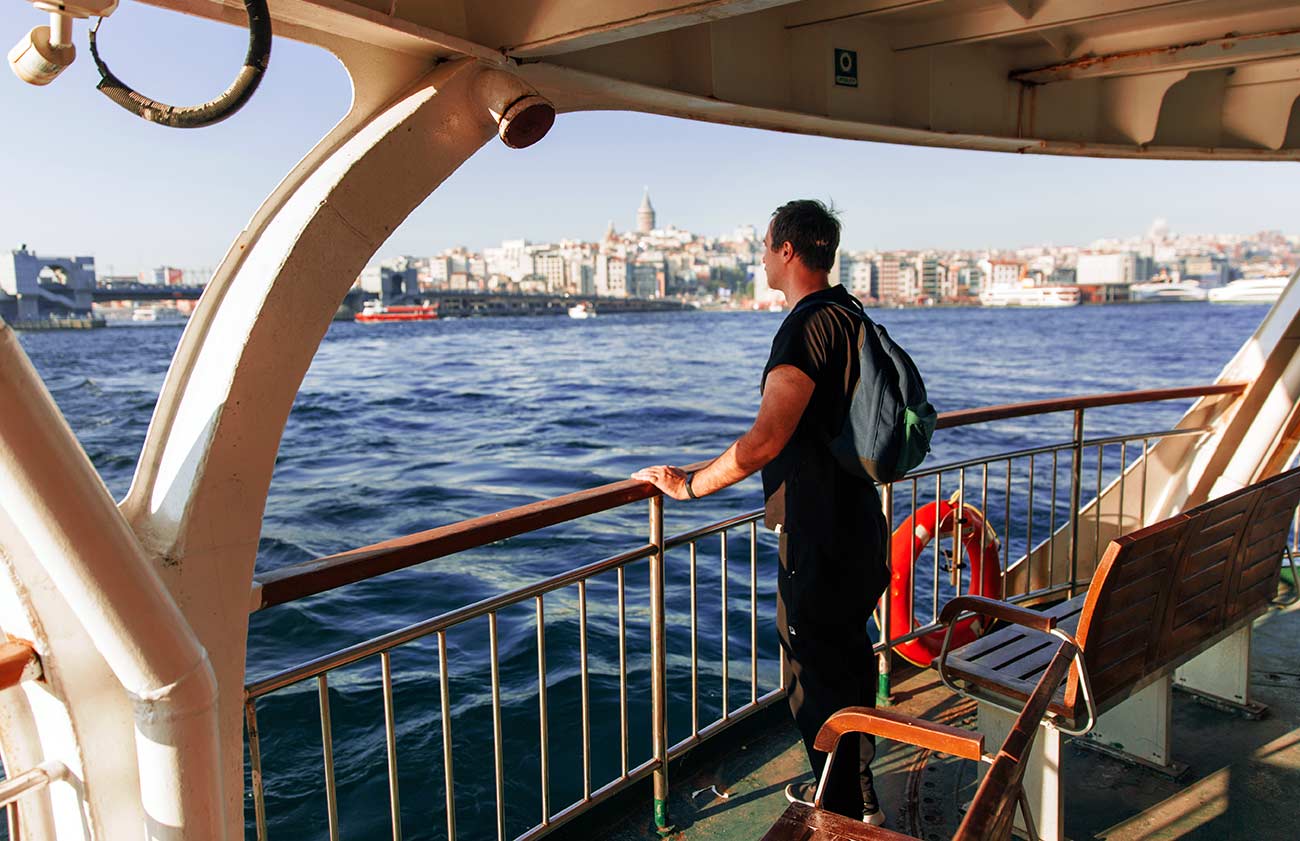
(801, 793)
(876, 818)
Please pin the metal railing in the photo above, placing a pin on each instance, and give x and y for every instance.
(1013, 483)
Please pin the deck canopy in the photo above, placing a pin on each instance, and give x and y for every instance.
(1141, 78)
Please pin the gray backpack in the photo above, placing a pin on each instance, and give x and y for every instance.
(890, 422)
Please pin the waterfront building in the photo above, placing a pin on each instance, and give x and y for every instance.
(1209, 269)
(863, 279)
(932, 279)
(551, 268)
(612, 275)
(1107, 269)
(647, 277)
(163, 276)
(890, 280)
(1003, 274)
(513, 258)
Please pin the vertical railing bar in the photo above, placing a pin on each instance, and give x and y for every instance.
(1029, 523)
(725, 652)
(1096, 540)
(1142, 511)
(13, 821)
(911, 563)
(255, 762)
(498, 752)
(659, 666)
(1076, 488)
(1051, 523)
(390, 738)
(984, 493)
(886, 660)
(1123, 469)
(622, 666)
(957, 554)
(753, 612)
(695, 646)
(586, 689)
(934, 581)
(1006, 526)
(444, 691)
(543, 733)
(327, 747)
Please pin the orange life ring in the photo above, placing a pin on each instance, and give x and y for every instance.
(981, 546)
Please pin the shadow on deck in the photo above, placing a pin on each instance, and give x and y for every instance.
(1242, 781)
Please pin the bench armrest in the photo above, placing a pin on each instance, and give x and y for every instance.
(900, 728)
(1005, 611)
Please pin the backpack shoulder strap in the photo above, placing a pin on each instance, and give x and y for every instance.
(856, 309)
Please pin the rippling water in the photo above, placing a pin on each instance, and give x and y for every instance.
(403, 427)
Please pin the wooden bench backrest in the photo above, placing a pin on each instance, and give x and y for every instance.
(1255, 582)
(1125, 605)
(993, 809)
(1198, 593)
(1160, 592)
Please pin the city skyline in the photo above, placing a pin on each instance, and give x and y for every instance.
(201, 187)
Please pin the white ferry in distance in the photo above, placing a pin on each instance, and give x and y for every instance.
(1168, 290)
(1255, 290)
(1030, 296)
(126, 705)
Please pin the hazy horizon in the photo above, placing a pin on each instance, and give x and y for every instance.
(196, 189)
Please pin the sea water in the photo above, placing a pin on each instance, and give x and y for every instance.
(403, 427)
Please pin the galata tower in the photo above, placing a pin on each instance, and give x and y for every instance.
(645, 214)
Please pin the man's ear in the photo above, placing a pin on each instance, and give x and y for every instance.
(787, 251)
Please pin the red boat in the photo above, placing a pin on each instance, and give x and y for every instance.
(374, 312)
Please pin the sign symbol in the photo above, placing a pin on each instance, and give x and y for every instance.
(846, 68)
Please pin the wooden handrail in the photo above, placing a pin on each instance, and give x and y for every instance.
(966, 417)
(312, 577)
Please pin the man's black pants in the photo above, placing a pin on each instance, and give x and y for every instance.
(829, 665)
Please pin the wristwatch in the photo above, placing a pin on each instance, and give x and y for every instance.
(689, 490)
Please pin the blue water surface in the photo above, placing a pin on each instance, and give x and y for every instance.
(403, 427)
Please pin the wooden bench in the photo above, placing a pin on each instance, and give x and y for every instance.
(1173, 602)
(992, 811)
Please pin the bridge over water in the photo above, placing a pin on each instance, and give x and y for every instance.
(33, 287)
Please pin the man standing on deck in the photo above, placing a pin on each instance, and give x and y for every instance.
(832, 531)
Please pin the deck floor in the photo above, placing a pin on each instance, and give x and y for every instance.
(1242, 782)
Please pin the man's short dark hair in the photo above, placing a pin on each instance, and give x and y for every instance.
(811, 229)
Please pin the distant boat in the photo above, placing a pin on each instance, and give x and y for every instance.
(1031, 296)
(1255, 290)
(583, 310)
(1168, 290)
(373, 312)
(152, 315)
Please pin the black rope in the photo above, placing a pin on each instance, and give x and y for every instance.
(197, 116)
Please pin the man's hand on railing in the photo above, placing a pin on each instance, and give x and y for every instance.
(671, 480)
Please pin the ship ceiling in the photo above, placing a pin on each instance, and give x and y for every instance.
(1153, 78)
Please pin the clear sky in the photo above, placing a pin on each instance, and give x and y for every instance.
(82, 176)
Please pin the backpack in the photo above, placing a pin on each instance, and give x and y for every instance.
(890, 422)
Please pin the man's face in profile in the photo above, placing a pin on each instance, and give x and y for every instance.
(772, 262)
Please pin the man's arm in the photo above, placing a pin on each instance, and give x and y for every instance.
(785, 396)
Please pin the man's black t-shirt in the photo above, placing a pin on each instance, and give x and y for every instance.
(832, 520)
